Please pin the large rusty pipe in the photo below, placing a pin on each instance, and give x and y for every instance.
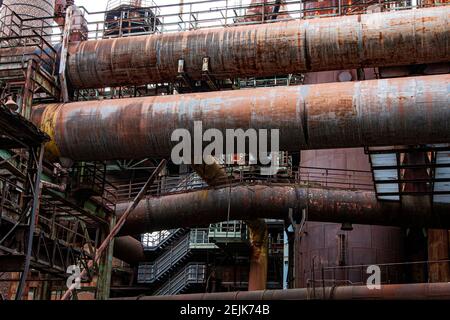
(402, 37)
(338, 115)
(419, 291)
(251, 202)
(129, 250)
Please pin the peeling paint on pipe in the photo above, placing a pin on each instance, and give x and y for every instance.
(337, 115)
(401, 37)
(420, 291)
(200, 208)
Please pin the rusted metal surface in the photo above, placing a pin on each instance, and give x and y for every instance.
(421, 291)
(129, 249)
(320, 245)
(247, 202)
(438, 250)
(259, 254)
(261, 10)
(402, 37)
(369, 113)
(213, 174)
(108, 242)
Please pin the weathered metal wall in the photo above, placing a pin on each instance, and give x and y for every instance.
(401, 37)
(318, 244)
(204, 207)
(333, 115)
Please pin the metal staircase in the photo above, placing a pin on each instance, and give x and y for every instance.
(174, 256)
(153, 272)
(192, 274)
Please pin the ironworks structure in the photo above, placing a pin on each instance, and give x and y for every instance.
(58, 208)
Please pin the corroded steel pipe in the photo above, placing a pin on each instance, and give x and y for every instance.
(200, 208)
(401, 37)
(338, 115)
(129, 249)
(420, 291)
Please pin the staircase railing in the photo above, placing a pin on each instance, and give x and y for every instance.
(150, 273)
(158, 240)
(194, 273)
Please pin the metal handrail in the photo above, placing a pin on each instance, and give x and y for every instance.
(311, 176)
(193, 273)
(170, 258)
(162, 241)
(230, 15)
(165, 262)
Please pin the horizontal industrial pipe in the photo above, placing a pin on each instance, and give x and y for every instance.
(420, 291)
(129, 250)
(337, 115)
(402, 37)
(250, 202)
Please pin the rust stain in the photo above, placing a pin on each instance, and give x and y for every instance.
(264, 50)
(353, 114)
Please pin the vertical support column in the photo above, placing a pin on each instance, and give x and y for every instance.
(105, 265)
(259, 258)
(64, 53)
(28, 88)
(438, 250)
(437, 240)
(416, 244)
(33, 217)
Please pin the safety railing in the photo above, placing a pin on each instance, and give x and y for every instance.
(227, 232)
(158, 269)
(11, 194)
(114, 4)
(302, 176)
(149, 273)
(158, 240)
(192, 15)
(193, 273)
(68, 232)
(36, 33)
(23, 31)
(320, 277)
(335, 178)
(92, 176)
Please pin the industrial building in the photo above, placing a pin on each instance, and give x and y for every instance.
(93, 206)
